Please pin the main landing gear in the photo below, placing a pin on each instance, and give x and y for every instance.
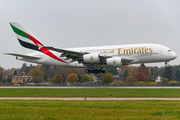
(166, 65)
(96, 71)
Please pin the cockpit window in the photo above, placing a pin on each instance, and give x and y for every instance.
(169, 50)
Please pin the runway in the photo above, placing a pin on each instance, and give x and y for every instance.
(82, 98)
(81, 87)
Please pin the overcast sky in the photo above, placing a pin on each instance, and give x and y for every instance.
(78, 23)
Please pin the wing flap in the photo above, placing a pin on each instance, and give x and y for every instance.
(23, 56)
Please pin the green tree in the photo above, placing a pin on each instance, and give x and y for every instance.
(177, 74)
(36, 73)
(64, 71)
(130, 80)
(0, 75)
(142, 65)
(173, 83)
(84, 78)
(164, 80)
(113, 70)
(141, 83)
(45, 77)
(15, 73)
(23, 68)
(9, 80)
(91, 79)
(152, 71)
(152, 84)
(27, 69)
(108, 78)
(130, 70)
(58, 78)
(79, 78)
(152, 80)
(126, 74)
(46, 67)
(72, 78)
(49, 71)
(168, 73)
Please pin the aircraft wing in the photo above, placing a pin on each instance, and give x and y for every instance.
(75, 56)
(24, 56)
(78, 56)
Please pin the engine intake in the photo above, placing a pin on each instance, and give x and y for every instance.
(91, 58)
(115, 61)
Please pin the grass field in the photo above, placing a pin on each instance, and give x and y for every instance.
(88, 92)
(86, 110)
(80, 110)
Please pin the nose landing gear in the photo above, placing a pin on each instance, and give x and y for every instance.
(166, 65)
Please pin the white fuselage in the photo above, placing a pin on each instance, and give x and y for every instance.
(141, 53)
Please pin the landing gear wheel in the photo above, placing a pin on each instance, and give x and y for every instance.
(96, 71)
(166, 65)
(102, 71)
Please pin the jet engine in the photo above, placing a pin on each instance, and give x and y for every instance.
(115, 61)
(91, 58)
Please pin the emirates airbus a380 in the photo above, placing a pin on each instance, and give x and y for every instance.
(93, 58)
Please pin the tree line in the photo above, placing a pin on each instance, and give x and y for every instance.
(141, 75)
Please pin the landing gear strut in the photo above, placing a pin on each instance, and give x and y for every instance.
(166, 65)
(96, 71)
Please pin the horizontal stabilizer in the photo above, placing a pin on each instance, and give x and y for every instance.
(24, 56)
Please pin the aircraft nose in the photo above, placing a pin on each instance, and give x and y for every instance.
(174, 55)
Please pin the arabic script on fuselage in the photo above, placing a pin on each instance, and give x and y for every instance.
(107, 51)
(130, 51)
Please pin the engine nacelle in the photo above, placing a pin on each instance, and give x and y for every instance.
(115, 61)
(91, 58)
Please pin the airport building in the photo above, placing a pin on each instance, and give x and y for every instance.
(21, 79)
